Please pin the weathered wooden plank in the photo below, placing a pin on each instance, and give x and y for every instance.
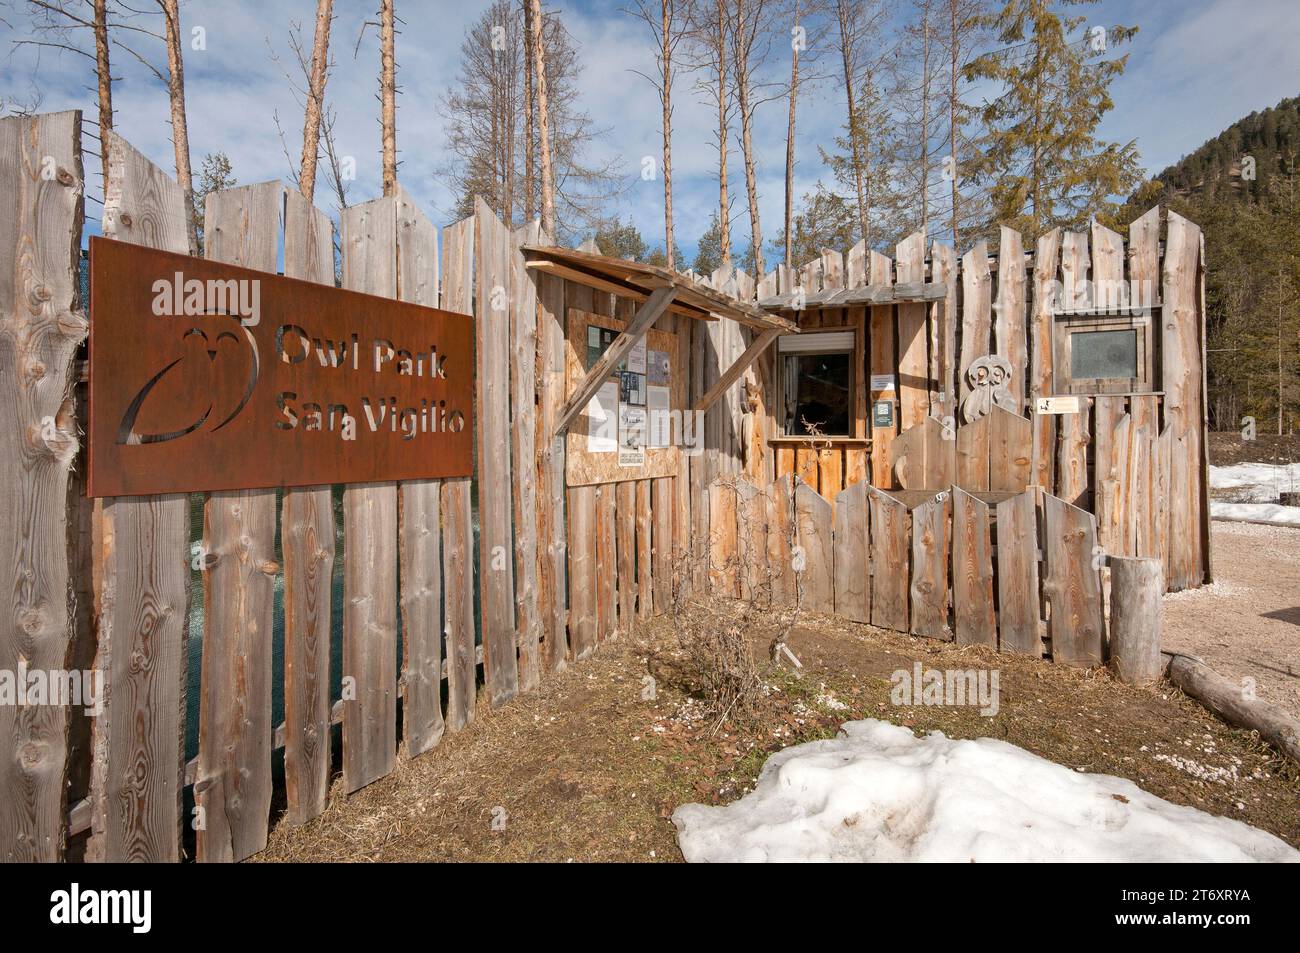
(913, 362)
(830, 471)
(852, 554)
(457, 518)
(1019, 610)
(1011, 450)
(1075, 265)
(751, 542)
(944, 271)
(144, 550)
(890, 562)
(419, 535)
(1184, 406)
(1009, 331)
(582, 570)
(307, 541)
(524, 386)
(552, 543)
(973, 454)
(780, 539)
(814, 531)
(972, 571)
(976, 304)
(606, 562)
(645, 603)
(458, 590)
(883, 366)
(1046, 264)
(492, 254)
(1139, 521)
(662, 542)
(723, 578)
(233, 790)
(370, 549)
(625, 527)
(1072, 454)
(1072, 584)
(929, 591)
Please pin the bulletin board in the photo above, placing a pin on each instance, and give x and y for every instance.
(622, 433)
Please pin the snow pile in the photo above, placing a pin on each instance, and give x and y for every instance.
(1262, 482)
(879, 793)
(1257, 487)
(1273, 513)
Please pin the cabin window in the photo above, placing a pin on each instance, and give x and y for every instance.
(817, 382)
(1100, 354)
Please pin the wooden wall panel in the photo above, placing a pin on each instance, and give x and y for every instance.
(913, 359)
(1046, 265)
(929, 591)
(307, 541)
(814, 531)
(233, 787)
(852, 554)
(1072, 584)
(1019, 610)
(144, 554)
(890, 562)
(972, 572)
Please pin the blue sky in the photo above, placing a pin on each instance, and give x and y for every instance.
(1195, 67)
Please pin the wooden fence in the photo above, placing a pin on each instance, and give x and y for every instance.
(1018, 572)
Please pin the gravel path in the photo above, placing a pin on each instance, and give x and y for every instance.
(1247, 624)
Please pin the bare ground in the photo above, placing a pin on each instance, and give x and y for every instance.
(588, 769)
(1247, 624)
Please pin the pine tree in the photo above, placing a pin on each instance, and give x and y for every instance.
(708, 257)
(1041, 155)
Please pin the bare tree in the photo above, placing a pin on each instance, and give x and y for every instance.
(749, 29)
(530, 113)
(669, 24)
(709, 56)
(180, 127)
(388, 93)
(317, 75)
(543, 119)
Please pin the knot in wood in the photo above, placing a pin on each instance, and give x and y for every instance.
(31, 755)
(65, 177)
(125, 219)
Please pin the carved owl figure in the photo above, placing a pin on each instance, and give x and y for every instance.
(989, 378)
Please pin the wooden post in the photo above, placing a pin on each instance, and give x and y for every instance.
(1136, 587)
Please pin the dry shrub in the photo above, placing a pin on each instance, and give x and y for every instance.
(719, 660)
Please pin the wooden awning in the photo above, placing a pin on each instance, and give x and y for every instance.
(907, 293)
(637, 280)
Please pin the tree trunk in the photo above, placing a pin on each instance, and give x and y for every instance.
(925, 118)
(846, 55)
(315, 98)
(104, 79)
(666, 100)
(388, 94)
(724, 203)
(530, 185)
(789, 148)
(742, 68)
(180, 131)
(952, 120)
(1136, 587)
(543, 124)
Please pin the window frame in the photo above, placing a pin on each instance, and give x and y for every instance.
(1066, 325)
(801, 341)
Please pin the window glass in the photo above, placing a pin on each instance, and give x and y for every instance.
(1103, 354)
(819, 390)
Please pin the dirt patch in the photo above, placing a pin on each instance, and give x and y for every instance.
(1227, 448)
(1247, 624)
(589, 768)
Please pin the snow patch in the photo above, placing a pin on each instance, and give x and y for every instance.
(1273, 513)
(879, 793)
(1262, 481)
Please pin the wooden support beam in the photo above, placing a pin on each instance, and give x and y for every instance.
(612, 287)
(733, 373)
(646, 315)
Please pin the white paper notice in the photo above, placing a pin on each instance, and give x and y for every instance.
(636, 357)
(602, 419)
(657, 403)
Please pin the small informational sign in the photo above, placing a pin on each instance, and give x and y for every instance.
(208, 376)
(882, 382)
(631, 436)
(636, 357)
(882, 414)
(602, 419)
(1065, 404)
(659, 405)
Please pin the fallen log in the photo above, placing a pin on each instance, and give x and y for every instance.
(1231, 703)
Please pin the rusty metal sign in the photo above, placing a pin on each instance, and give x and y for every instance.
(206, 376)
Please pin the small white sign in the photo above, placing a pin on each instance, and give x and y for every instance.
(602, 419)
(882, 382)
(1057, 405)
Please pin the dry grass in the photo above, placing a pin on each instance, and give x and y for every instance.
(589, 769)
